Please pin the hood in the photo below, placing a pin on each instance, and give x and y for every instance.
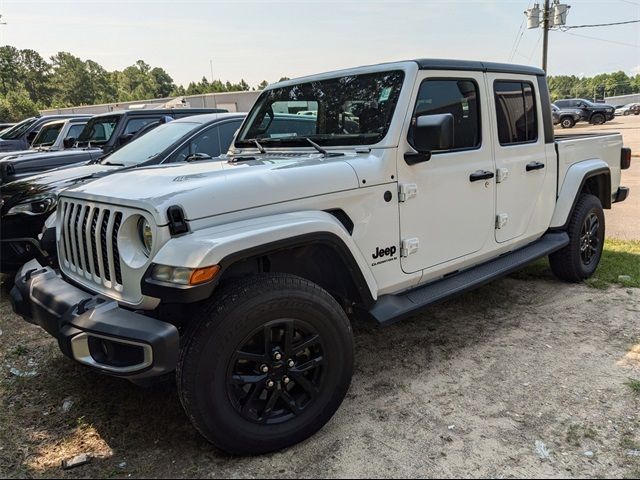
(51, 182)
(12, 145)
(16, 157)
(18, 153)
(210, 188)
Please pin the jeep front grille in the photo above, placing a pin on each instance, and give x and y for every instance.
(89, 242)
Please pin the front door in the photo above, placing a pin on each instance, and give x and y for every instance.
(448, 212)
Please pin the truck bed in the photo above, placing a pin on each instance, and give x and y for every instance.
(575, 148)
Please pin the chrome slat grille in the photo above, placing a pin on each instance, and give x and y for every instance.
(89, 242)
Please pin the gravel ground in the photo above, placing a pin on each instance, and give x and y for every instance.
(526, 377)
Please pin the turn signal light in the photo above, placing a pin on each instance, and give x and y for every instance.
(202, 275)
(183, 275)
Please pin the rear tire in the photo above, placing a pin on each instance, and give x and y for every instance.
(568, 122)
(586, 230)
(598, 119)
(265, 328)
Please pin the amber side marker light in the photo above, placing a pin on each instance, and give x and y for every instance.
(202, 275)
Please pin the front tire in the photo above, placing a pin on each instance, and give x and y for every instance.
(268, 364)
(598, 119)
(568, 122)
(586, 230)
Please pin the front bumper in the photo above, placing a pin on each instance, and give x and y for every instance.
(15, 252)
(94, 330)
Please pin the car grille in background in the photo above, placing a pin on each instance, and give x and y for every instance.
(89, 242)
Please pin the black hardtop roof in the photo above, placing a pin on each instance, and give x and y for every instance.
(151, 111)
(477, 66)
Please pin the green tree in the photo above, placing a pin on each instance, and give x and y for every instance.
(71, 81)
(262, 85)
(16, 106)
(162, 83)
(9, 69)
(35, 76)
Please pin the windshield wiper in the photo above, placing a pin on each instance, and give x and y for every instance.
(260, 147)
(114, 164)
(316, 146)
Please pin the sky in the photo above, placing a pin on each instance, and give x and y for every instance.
(266, 40)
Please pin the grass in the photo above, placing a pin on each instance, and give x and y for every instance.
(577, 432)
(619, 257)
(633, 384)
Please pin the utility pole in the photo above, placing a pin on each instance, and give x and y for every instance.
(545, 39)
(550, 16)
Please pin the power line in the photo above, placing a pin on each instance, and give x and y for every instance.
(599, 25)
(601, 39)
(519, 35)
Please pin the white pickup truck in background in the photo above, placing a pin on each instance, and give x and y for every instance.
(407, 183)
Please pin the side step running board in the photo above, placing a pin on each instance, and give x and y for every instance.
(393, 308)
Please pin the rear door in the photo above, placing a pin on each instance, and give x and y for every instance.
(525, 178)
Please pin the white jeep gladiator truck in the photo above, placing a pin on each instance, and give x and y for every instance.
(411, 182)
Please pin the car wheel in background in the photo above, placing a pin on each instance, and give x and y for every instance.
(568, 122)
(598, 119)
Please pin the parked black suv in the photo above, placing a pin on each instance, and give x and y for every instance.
(101, 135)
(27, 203)
(596, 113)
(20, 136)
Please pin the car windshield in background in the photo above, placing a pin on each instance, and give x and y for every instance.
(349, 110)
(98, 131)
(47, 135)
(17, 130)
(150, 145)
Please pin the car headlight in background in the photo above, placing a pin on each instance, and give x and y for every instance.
(146, 235)
(37, 206)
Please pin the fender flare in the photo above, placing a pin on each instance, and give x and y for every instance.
(574, 181)
(229, 243)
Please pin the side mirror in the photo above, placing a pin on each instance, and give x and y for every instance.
(122, 139)
(31, 137)
(69, 142)
(431, 133)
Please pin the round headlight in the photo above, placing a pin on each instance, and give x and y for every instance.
(146, 235)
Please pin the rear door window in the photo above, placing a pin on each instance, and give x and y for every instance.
(227, 131)
(515, 112)
(135, 124)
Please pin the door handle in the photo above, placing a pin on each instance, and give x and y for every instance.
(481, 175)
(535, 166)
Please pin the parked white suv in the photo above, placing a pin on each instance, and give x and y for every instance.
(241, 275)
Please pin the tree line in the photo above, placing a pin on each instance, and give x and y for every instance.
(593, 88)
(29, 83)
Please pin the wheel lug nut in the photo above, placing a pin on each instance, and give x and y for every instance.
(270, 384)
(286, 380)
(277, 356)
(291, 363)
(264, 369)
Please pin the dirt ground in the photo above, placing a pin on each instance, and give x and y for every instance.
(526, 377)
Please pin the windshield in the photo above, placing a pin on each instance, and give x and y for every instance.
(17, 130)
(47, 135)
(349, 110)
(98, 131)
(151, 144)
